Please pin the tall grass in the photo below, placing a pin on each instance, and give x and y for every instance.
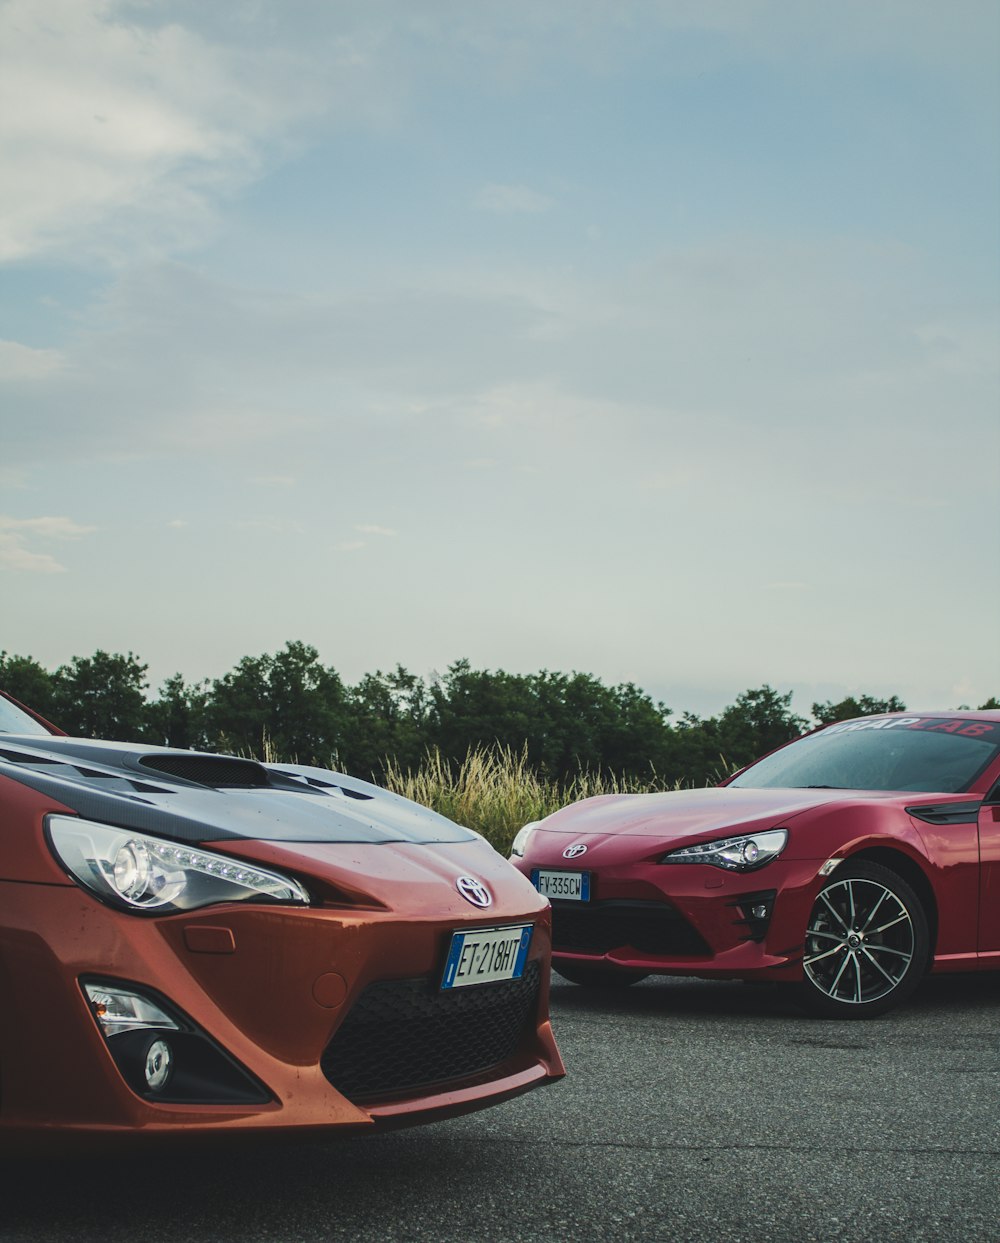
(495, 791)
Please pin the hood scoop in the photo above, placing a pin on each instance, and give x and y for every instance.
(218, 772)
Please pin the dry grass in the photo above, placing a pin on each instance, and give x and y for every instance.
(495, 791)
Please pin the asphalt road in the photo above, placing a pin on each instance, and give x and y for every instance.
(692, 1111)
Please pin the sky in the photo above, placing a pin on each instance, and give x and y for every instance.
(653, 339)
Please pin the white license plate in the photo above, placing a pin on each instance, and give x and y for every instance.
(565, 886)
(482, 955)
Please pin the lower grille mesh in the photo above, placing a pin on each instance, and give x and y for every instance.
(649, 927)
(406, 1034)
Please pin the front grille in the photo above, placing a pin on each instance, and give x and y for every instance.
(600, 927)
(401, 1035)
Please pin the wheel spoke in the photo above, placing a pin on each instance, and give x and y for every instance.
(887, 949)
(832, 990)
(878, 966)
(820, 957)
(833, 911)
(874, 910)
(900, 919)
(857, 976)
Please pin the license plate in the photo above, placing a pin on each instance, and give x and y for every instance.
(482, 955)
(565, 886)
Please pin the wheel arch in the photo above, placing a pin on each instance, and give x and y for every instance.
(914, 875)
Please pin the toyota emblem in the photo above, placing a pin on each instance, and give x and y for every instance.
(474, 891)
(574, 851)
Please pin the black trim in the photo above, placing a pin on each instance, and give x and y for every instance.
(946, 813)
(756, 926)
(204, 1073)
(649, 927)
(407, 1037)
(218, 772)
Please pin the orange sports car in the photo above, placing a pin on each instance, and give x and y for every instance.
(192, 941)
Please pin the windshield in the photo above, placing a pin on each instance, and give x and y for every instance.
(14, 720)
(882, 753)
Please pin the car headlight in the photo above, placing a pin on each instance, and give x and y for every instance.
(141, 873)
(520, 843)
(736, 854)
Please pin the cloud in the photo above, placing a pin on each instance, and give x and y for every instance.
(511, 200)
(367, 529)
(21, 362)
(46, 528)
(116, 135)
(351, 545)
(270, 526)
(17, 533)
(14, 556)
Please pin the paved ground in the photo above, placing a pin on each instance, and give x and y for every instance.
(693, 1111)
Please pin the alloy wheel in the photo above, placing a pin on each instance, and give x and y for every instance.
(865, 945)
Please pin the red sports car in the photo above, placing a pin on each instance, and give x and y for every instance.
(850, 862)
(194, 941)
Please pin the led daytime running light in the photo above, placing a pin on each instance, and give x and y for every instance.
(143, 873)
(735, 854)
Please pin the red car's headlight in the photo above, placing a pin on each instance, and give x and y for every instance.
(520, 844)
(141, 873)
(736, 854)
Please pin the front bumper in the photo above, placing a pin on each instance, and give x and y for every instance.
(689, 919)
(270, 987)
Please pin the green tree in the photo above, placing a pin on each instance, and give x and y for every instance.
(102, 696)
(567, 723)
(862, 705)
(386, 720)
(756, 723)
(176, 718)
(586, 726)
(694, 755)
(480, 708)
(29, 682)
(287, 705)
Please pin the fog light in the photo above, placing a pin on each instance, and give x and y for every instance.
(162, 1055)
(159, 1063)
(755, 911)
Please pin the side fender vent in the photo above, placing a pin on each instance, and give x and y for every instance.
(946, 813)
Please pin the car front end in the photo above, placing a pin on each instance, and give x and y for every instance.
(358, 963)
(711, 883)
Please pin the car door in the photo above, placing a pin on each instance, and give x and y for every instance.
(989, 875)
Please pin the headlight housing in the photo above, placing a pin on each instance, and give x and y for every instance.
(745, 853)
(139, 873)
(520, 843)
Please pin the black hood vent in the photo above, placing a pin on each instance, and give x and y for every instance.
(220, 772)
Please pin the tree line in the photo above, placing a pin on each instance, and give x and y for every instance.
(290, 706)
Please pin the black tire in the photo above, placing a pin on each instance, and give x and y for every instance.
(866, 944)
(598, 977)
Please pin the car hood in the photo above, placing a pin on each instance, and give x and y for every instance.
(199, 797)
(686, 814)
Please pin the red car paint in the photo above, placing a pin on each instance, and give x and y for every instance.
(953, 865)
